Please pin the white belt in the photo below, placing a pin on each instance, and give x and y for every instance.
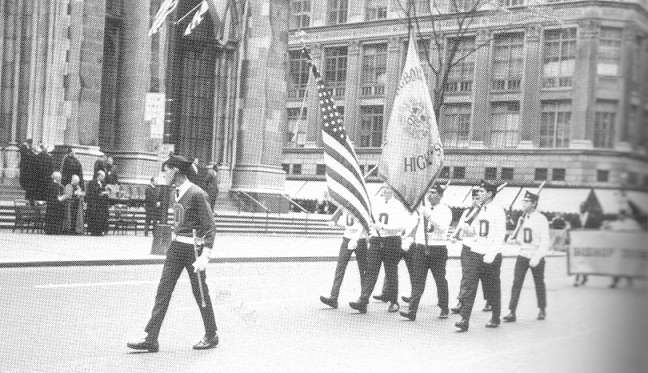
(182, 239)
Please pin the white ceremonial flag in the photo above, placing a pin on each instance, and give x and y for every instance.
(197, 18)
(166, 8)
(412, 155)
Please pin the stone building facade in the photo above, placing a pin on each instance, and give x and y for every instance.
(556, 92)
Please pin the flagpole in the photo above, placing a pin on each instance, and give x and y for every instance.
(188, 13)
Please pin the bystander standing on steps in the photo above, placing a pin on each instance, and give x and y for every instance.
(55, 212)
(97, 200)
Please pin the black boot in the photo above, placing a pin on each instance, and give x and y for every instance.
(331, 302)
(462, 325)
(360, 306)
(510, 317)
(145, 344)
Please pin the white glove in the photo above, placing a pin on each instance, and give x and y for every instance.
(201, 263)
(406, 242)
(352, 245)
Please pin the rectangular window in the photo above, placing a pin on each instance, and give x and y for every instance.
(505, 123)
(511, 3)
(455, 126)
(508, 61)
(507, 173)
(558, 174)
(67, 55)
(555, 124)
(335, 66)
(301, 13)
(298, 74)
(604, 123)
(457, 6)
(459, 173)
(490, 173)
(540, 174)
(297, 126)
(376, 9)
(445, 172)
(371, 126)
(460, 76)
(602, 176)
(422, 7)
(296, 169)
(633, 178)
(373, 170)
(285, 167)
(337, 11)
(320, 169)
(69, 32)
(559, 58)
(374, 70)
(69, 7)
(609, 52)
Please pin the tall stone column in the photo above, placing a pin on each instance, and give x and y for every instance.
(351, 108)
(313, 115)
(133, 162)
(258, 169)
(583, 82)
(531, 93)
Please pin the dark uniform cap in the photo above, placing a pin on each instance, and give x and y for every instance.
(181, 163)
(531, 196)
(489, 187)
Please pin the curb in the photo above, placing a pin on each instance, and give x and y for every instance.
(124, 262)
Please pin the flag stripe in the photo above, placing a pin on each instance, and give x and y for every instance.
(345, 158)
(346, 183)
(339, 195)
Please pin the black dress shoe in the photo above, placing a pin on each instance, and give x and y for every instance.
(542, 314)
(406, 299)
(331, 302)
(487, 308)
(381, 298)
(456, 309)
(408, 315)
(150, 346)
(393, 307)
(492, 323)
(462, 325)
(510, 317)
(207, 343)
(444, 313)
(361, 307)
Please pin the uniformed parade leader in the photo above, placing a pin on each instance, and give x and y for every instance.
(192, 212)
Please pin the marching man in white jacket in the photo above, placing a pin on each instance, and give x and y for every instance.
(430, 228)
(354, 238)
(483, 235)
(532, 236)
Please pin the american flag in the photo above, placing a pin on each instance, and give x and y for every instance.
(345, 183)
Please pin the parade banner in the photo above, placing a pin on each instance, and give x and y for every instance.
(412, 154)
(601, 252)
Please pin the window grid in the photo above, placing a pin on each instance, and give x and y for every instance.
(505, 122)
(335, 69)
(445, 172)
(301, 12)
(460, 76)
(559, 57)
(337, 11)
(299, 74)
(376, 9)
(459, 173)
(320, 169)
(558, 174)
(490, 173)
(371, 126)
(507, 173)
(296, 169)
(604, 124)
(602, 176)
(508, 61)
(609, 51)
(555, 124)
(541, 174)
(456, 125)
(374, 70)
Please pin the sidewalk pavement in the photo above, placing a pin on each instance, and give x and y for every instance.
(35, 250)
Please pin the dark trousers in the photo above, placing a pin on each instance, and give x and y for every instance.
(462, 287)
(489, 273)
(151, 219)
(407, 257)
(384, 250)
(431, 258)
(519, 273)
(179, 256)
(343, 259)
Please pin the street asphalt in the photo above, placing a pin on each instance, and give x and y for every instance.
(78, 319)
